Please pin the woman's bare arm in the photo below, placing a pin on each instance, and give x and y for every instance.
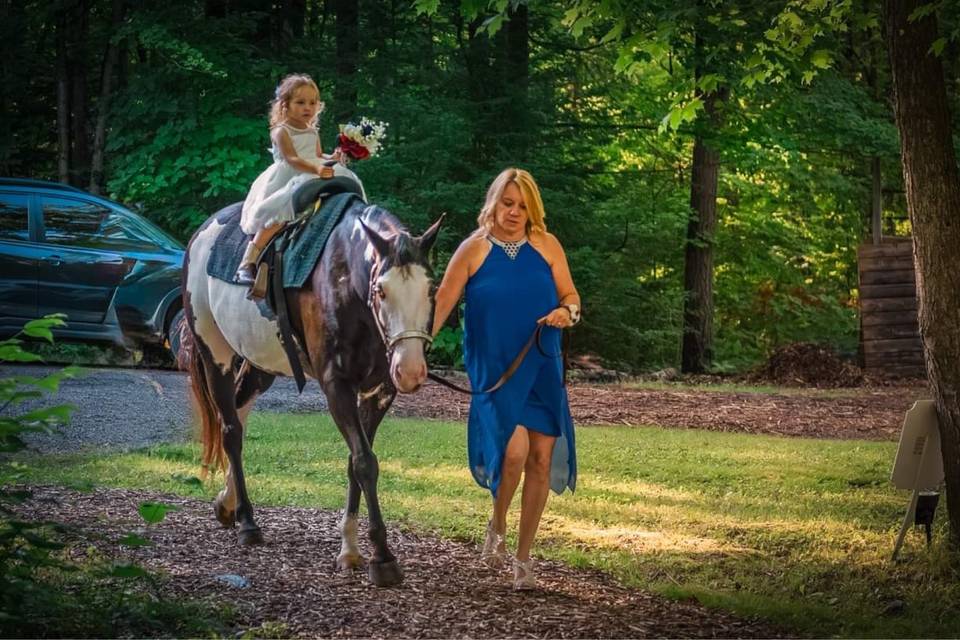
(459, 270)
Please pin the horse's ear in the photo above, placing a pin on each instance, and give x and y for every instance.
(430, 235)
(380, 244)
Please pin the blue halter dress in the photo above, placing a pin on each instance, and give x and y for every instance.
(504, 300)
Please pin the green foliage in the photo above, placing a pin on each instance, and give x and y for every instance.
(604, 118)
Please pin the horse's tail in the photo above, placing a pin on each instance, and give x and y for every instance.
(211, 434)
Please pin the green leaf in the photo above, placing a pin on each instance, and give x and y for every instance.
(13, 353)
(133, 540)
(937, 47)
(821, 58)
(154, 512)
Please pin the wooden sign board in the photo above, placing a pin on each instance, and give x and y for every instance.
(919, 464)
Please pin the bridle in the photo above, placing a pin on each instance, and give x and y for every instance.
(374, 296)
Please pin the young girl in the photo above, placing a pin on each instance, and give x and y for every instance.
(297, 158)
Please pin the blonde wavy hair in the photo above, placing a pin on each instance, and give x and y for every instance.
(531, 196)
(284, 93)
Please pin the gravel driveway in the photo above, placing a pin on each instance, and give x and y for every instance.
(130, 408)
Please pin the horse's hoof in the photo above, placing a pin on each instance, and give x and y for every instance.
(227, 518)
(249, 537)
(385, 574)
(349, 561)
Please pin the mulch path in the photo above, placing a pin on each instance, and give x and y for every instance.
(869, 413)
(292, 579)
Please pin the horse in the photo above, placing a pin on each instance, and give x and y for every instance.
(363, 318)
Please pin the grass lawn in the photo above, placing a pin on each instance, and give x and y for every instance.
(796, 531)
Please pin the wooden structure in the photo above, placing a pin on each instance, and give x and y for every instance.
(889, 331)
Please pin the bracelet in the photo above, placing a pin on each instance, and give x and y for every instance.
(574, 311)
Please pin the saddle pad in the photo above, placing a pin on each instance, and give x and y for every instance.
(306, 245)
(300, 256)
(227, 251)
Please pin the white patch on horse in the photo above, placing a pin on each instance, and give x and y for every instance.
(349, 548)
(205, 325)
(226, 321)
(366, 395)
(406, 289)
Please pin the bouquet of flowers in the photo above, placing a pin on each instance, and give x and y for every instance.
(360, 141)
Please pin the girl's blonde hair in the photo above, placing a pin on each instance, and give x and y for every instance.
(284, 93)
(531, 196)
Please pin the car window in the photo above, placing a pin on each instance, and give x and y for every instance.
(13, 217)
(91, 226)
(72, 222)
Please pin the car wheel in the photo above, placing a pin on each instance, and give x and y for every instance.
(173, 334)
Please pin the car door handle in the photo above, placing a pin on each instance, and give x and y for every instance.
(53, 261)
(110, 261)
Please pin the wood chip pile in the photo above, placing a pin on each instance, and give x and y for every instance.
(874, 413)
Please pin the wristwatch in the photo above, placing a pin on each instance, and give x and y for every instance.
(574, 310)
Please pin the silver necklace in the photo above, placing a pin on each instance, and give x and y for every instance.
(511, 248)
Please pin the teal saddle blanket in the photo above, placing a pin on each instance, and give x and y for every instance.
(309, 236)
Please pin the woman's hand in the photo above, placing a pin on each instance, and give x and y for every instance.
(325, 172)
(559, 318)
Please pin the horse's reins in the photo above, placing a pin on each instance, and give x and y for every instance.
(533, 340)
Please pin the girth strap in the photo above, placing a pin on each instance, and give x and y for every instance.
(287, 340)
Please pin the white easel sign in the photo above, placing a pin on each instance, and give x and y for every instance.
(919, 463)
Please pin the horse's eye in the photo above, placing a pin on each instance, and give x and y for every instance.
(381, 292)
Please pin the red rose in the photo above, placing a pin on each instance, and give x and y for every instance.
(352, 148)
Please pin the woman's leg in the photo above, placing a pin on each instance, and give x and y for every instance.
(514, 459)
(536, 488)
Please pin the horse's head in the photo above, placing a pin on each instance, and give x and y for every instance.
(401, 299)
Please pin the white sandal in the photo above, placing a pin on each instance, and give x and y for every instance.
(524, 578)
(491, 554)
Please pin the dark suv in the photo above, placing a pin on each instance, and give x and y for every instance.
(63, 250)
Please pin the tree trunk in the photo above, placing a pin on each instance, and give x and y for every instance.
(63, 102)
(103, 106)
(77, 75)
(517, 74)
(932, 182)
(348, 59)
(697, 351)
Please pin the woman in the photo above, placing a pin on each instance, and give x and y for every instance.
(516, 276)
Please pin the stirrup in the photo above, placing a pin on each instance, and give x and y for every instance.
(491, 554)
(258, 288)
(246, 274)
(524, 578)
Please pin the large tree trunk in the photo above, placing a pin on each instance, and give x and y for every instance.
(697, 350)
(933, 200)
(348, 59)
(103, 105)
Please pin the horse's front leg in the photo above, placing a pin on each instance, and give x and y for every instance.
(225, 394)
(373, 405)
(342, 399)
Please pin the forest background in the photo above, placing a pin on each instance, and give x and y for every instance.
(163, 106)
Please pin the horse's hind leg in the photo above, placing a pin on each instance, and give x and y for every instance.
(252, 383)
(224, 392)
(373, 406)
(383, 568)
